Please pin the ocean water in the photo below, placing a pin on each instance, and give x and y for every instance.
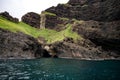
(59, 69)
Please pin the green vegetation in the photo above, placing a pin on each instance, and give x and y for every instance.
(50, 36)
(78, 21)
(49, 13)
(64, 19)
(53, 36)
(18, 27)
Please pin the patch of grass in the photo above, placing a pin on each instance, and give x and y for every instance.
(50, 36)
(49, 13)
(64, 19)
(78, 21)
(18, 27)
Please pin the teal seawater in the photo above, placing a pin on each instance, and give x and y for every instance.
(59, 69)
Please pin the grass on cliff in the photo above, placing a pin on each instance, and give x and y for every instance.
(50, 36)
(49, 13)
(18, 27)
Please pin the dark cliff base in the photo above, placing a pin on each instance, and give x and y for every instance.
(20, 46)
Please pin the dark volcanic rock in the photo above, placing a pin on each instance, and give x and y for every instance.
(104, 34)
(99, 10)
(95, 29)
(97, 21)
(9, 17)
(77, 2)
(18, 46)
(32, 19)
(53, 22)
(82, 50)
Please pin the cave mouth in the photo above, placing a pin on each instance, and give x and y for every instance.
(46, 54)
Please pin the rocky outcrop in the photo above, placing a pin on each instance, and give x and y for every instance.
(31, 18)
(97, 21)
(82, 50)
(98, 10)
(9, 17)
(19, 46)
(52, 21)
(95, 29)
(104, 34)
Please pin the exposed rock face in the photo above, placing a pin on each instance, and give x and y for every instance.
(82, 50)
(53, 22)
(94, 29)
(48, 21)
(19, 46)
(99, 10)
(96, 20)
(32, 19)
(9, 17)
(77, 2)
(104, 34)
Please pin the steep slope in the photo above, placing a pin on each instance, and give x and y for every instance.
(95, 20)
(50, 36)
(19, 40)
(98, 10)
(84, 29)
(18, 46)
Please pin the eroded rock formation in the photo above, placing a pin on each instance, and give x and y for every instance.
(32, 19)
(95, 20)
(99, 10)
(9, 17)
(19, 46)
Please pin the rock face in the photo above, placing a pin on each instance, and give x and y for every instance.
(9, 17)
(32, 19)
(19, 46)
(52, 21)
(99, 10)
(104, 34)
(82, 50)
(97, 21)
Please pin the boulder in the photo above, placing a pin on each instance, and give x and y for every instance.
(32, 19)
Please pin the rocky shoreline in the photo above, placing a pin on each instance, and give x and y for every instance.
(99, 30)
